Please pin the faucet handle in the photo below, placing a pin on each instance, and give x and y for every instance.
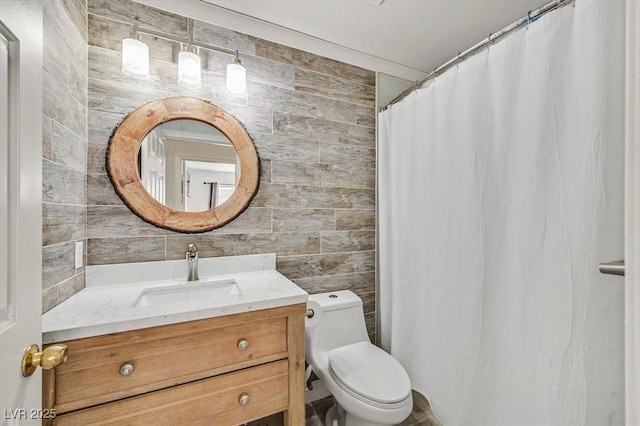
(192, 261)
(192, 251)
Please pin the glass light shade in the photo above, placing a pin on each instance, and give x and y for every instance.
(236, 77)
(135, 58)
(189, 71)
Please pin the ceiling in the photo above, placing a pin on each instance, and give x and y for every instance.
(401, 38)
(417, 35)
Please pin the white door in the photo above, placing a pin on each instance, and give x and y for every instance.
(20, 206)
(632, 217)
(153, 166)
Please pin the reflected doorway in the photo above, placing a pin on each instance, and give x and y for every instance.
(207, 184)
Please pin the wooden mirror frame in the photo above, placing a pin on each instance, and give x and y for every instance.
(122, 163)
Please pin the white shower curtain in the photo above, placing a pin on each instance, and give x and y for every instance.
(500, 191)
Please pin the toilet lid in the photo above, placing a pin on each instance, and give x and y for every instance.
(370, 372)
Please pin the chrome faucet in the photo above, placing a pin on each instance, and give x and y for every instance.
(192, 261)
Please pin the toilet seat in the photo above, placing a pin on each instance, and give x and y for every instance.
(369, 374)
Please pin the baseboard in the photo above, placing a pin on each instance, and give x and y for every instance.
(318, 392)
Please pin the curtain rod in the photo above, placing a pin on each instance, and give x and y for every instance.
(479, 47)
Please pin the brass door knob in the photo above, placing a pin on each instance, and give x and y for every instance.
(49, 358)
(244, 399)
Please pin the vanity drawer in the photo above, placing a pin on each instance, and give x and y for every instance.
(213, 401)
(166, 356)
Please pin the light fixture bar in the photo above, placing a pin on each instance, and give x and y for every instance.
(171, 37)
(190, 60)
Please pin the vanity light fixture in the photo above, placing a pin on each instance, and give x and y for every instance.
(189, 69)
(135, 56)
(236, 76)
(135, 59)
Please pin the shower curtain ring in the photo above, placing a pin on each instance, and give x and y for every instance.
(458, 60)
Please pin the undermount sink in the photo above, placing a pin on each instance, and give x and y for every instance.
(188, 291)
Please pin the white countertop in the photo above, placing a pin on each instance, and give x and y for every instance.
(106, 305)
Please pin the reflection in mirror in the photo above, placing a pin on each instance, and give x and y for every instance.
(188, 165)
(124, 164)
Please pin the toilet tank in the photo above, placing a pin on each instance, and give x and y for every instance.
(341, 321)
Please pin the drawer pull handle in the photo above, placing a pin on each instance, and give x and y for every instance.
(127, 369)
(243, 344)
(244, 399)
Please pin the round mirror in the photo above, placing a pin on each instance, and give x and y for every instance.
(183, 164)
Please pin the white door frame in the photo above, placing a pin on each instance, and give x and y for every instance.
(632, 217)
(22, 326)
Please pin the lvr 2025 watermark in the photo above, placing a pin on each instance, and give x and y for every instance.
(28, 413)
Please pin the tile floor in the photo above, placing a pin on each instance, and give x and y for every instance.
(420, 416)
(316, 411)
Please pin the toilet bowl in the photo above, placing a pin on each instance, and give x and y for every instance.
(369, 386)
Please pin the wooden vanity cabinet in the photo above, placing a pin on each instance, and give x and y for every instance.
(226, 370)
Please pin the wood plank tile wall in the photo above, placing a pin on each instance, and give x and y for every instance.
(312, 120)
(64, 149)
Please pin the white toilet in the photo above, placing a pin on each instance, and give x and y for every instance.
(370, 387)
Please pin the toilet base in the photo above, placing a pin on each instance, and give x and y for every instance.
(337, 416)
(331, 418)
